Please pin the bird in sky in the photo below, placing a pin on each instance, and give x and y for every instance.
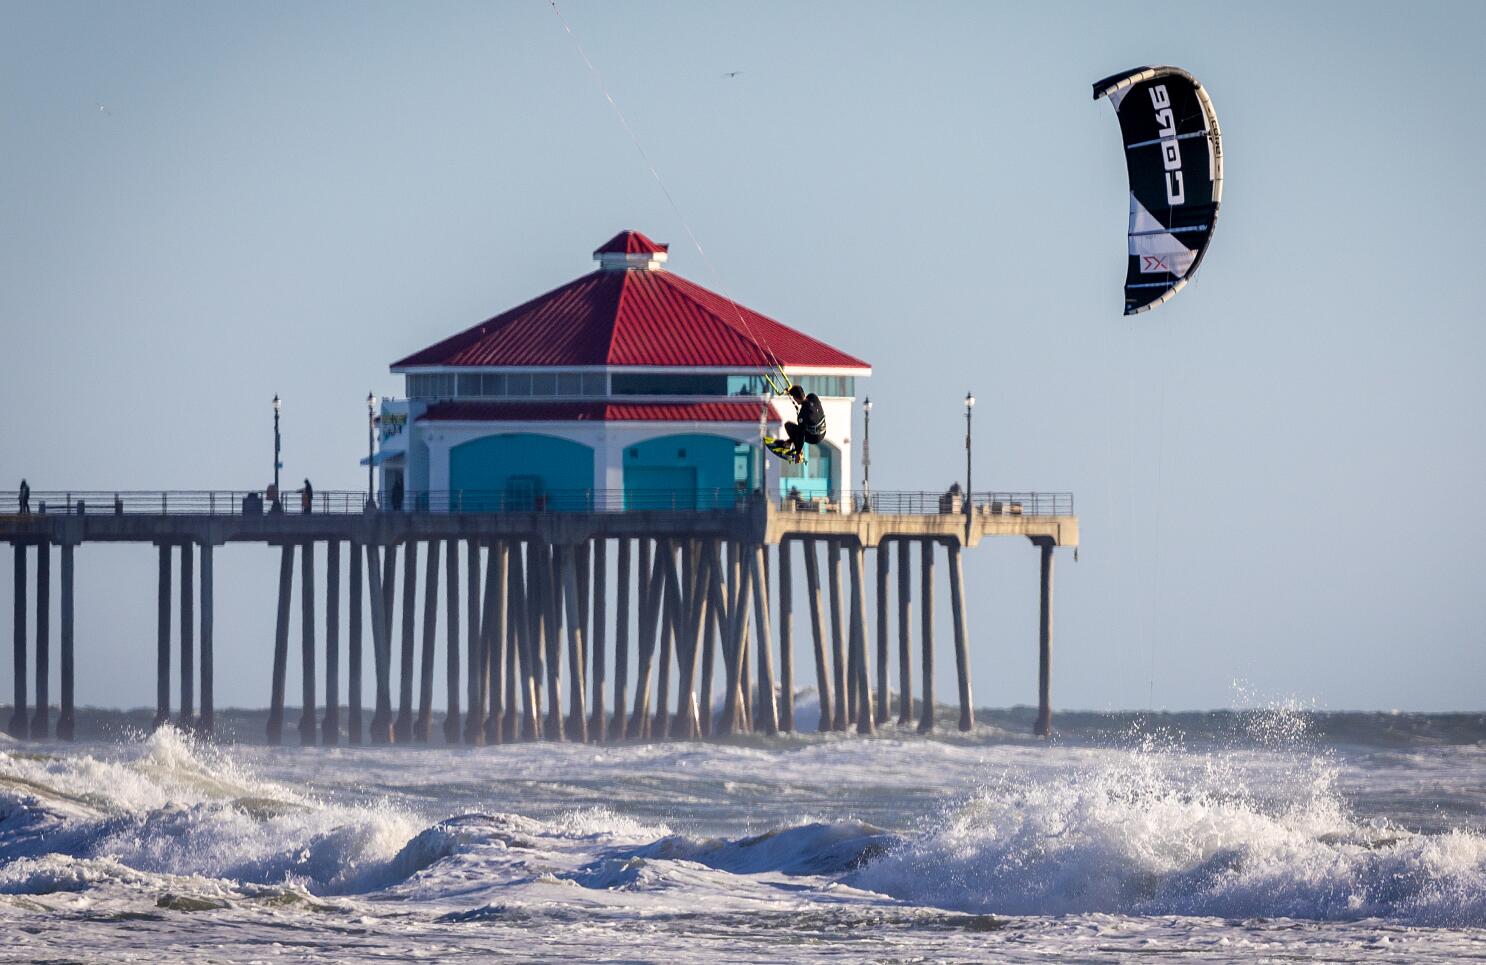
(104, 110)
(732, 73)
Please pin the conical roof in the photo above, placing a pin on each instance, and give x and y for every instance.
(642, 316)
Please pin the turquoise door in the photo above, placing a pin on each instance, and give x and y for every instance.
(660, 487)
(691, 471)
(520, 472)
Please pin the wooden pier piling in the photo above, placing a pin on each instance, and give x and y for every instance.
(845, 704)
(330, 727)
(162, 643)
(451, 641)
(926, 590)
(280, 638)
(905, 636)
(353, 650)
(187, 716)
(884, 564)
(381, 722)
(863, 689)
(817, 633)
(496, 634)
(308, 733)
(423, 724)
(651, 583)
(510, 727)
(765, 709)
(786, 640)
(402, 729)
(492, 630)
(206, 723)
(41, 722)
(598, 725)
(474, 718)
(962, 642)
(1044, 726)
(19, 726)
(66, 719)
(621, 639)
(577, 725)
(660, 728)
(551, 594)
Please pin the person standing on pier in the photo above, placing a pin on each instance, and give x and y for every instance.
(25, 506)
(307, 497)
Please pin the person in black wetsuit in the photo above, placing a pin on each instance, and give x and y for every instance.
(810, 424)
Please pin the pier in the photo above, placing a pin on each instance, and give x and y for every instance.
(704, 598)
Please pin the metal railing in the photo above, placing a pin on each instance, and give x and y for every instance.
(340, 502)
(985, 503)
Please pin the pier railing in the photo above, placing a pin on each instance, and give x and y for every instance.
(341, 502)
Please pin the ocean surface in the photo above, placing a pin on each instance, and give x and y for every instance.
(1275, 835)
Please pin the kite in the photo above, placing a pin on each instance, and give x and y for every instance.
(1174, 157)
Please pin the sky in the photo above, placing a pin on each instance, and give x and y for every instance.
(1279, 474)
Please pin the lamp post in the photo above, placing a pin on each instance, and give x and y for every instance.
(969, 407)
(371, 425)
(867, 451)
(278, 407)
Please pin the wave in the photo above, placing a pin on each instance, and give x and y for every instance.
(171, 806)
(1155, 832)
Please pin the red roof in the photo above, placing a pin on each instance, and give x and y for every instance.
(733, 410)
(631, 317)
(630, 243)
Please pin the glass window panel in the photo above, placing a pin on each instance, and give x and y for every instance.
(669, 383)
(469, 384)
(492, 384)
(543, 383)
(569, 383)
(595, 383)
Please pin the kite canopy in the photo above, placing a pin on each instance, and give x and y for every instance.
(1174, 156)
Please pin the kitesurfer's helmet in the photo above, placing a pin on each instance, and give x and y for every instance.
(797, 393)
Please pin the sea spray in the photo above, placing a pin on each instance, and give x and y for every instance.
(1159, 831)
(170, 805)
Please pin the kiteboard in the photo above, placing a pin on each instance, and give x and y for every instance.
(783, 449)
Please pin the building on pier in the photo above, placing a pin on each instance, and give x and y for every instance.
(629, 380)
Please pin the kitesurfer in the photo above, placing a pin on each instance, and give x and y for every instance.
(809, 425)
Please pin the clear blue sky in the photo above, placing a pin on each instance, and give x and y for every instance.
(1280, 474)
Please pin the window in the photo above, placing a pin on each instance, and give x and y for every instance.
(543, 383)
(569, 383)
(595, 383)
(747, 385)
(469, 384)
(518, 383)
(430, 386)
(828, 385)
(493, 384)
(669, 383)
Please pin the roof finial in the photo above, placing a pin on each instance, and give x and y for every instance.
(630, 250)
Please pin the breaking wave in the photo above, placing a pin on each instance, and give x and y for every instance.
(1159, 832)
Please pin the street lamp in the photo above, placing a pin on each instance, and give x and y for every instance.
(969, 406)
(278, 407)
(371, 423)
(867, 450)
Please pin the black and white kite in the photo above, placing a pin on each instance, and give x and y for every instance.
(1174, 155)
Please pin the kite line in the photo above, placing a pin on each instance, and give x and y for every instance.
(762, 345)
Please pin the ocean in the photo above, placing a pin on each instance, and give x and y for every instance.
(1273, 835)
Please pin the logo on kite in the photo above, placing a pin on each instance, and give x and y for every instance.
(1174, 159)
